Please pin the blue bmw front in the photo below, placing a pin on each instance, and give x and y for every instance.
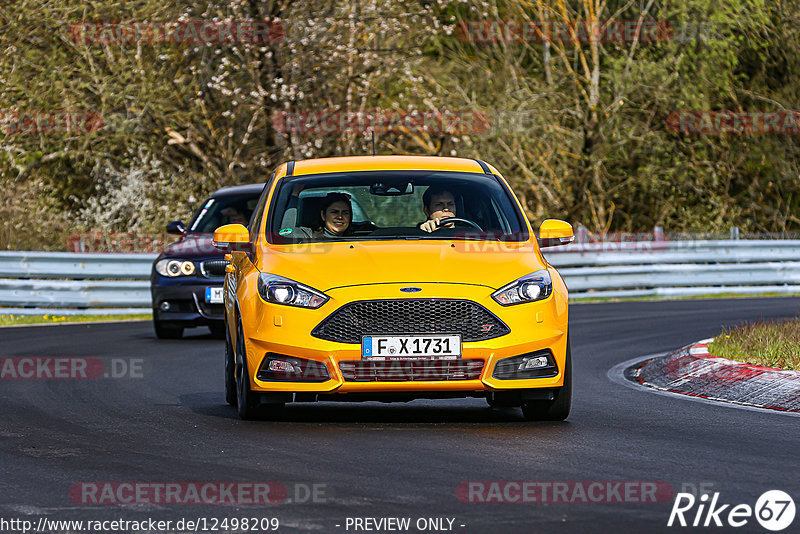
(186, 278)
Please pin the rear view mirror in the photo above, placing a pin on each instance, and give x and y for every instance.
(176, 227)
(391, 190)
(231, 237)
(553, 233)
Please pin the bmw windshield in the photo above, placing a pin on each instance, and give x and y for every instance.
(389, 205)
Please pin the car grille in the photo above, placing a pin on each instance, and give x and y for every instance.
(410, 316)
(410, 370)
(213, 268)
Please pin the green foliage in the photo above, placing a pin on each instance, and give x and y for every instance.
(771, 344)
(580, 129)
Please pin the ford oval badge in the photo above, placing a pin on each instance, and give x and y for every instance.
(410, 289)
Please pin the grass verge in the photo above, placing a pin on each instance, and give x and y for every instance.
(14, 320)
(771, 344)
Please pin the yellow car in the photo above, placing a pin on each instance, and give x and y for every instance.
(393, 278)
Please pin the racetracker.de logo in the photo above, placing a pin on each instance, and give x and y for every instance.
(49, 122)
(125, 242)
(227, 493)
(734, 122)
(178, 32)
(565, 31)
(69, 368)
(381, 121)
(565, 492)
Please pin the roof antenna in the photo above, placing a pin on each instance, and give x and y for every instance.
(373, 142)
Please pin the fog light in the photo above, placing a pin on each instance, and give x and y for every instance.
(533, 362)
(278, 367)
(281, 366)
(164, 306)
(537, 364)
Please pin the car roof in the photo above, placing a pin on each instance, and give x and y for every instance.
(387, 163)
(245, 189)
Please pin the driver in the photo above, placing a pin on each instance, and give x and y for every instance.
(234, 216)
(438, 204)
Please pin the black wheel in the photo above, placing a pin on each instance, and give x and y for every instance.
(246, 401)
(167, 332)
(230, 371)
(217, 330)
(558, 408)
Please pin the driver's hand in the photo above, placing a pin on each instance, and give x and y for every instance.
(430, 225)
(434, 223)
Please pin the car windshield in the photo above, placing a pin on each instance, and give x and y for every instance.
(387, 205)
(221, 210)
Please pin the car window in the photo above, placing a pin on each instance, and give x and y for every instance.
(224, 209)
(390, 205)
(255, 220)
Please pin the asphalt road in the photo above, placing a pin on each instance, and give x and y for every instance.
(385, 460)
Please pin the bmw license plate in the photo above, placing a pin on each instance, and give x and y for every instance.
(447, 347)
(214, 295)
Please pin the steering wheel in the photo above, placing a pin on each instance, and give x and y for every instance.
(457, 220)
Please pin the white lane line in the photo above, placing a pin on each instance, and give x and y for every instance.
(617, 374)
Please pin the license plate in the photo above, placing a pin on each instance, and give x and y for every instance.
(446, 347)
(214, 295)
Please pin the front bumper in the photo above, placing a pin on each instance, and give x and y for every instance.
(536, 326)
(188, 306)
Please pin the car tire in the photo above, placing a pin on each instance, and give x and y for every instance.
(167, 332)
(230, 370)
(248, 403)
(558, 408)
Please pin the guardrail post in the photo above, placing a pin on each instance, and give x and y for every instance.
(734, 233)
(580, 235)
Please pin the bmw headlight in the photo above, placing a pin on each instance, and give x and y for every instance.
(529, 288)
(173, 267)
(280, 290)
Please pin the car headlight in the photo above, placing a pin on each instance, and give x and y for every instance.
(172, 268)
(529, 288)
(279, 290)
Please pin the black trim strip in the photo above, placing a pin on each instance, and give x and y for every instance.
(290, 168)
(484, 167)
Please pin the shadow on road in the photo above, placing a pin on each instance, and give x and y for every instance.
(426, 412)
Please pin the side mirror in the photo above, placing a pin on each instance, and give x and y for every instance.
(176, 227)
(553, 233)
(231, 237)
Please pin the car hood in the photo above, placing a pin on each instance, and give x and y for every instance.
(327, 266)
(192, 246)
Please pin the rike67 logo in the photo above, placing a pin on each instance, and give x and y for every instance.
(774, 510)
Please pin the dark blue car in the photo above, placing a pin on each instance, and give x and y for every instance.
(186, 279)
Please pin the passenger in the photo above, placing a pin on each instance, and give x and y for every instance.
(438, 204)
(336, 213)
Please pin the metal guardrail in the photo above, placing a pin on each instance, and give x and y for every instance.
(74, 266)
(65, 283)
(68, 283)
(670, 269)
